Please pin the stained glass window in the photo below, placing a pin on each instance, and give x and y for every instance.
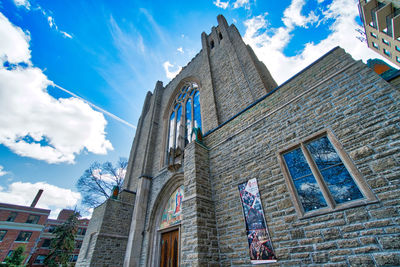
(171, 130)
(188, 129)
(196, 107)
(337, 178)
(178, 125)
(319, 175)
(304, 181)
(186, 107)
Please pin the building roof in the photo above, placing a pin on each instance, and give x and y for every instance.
(386, 71)
(23, 208)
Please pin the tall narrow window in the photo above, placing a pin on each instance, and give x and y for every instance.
(188, 128)
(171, 131)
(178, 126)
(185, 115)
(196, 108)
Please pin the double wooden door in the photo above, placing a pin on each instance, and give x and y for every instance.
(170, 249)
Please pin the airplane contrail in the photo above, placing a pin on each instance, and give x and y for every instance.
(96, 107)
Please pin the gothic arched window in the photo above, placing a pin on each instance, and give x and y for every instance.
(184, 116)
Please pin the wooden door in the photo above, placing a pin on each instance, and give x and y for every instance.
(170, 249)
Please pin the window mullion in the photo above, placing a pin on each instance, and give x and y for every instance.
(184, 121)
(181, 130)
(174, 139)
(192, 122)
(324, 188)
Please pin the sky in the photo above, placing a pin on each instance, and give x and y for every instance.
(74, 74)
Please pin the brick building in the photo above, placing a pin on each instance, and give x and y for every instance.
(20, 226)
(229, 169)
(30, 227)
(42, 248)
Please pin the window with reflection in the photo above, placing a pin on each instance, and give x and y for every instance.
(319, 177)
(23, 236)
(184, 116)
(12, 216)
(2, 234)
(33, 219)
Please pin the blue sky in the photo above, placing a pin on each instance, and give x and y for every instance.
(67, 65)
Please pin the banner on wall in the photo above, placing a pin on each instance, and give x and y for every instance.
(260, 246)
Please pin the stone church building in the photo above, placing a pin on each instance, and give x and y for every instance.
(229, 169)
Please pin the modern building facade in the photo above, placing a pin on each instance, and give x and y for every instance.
(229, 169)
(381, 19)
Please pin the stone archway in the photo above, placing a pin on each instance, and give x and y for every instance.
(169, 229)
(156, 218)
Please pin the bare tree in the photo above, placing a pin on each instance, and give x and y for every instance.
(98, 180)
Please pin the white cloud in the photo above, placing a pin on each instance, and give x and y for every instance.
(50, 20)
(126, 42)
(38, 125)
(180, 49)
(168, 73)
(270, 43)
(24, 3)
(52, 23)
(241, 3)
(14, 46)
(221, 4)
(53, 197)
(292, 15)
(66, 35)
(2, 173)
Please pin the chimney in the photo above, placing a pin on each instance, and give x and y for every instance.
(35, 201)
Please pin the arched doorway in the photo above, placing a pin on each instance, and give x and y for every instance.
(160, 225)
(169, 228)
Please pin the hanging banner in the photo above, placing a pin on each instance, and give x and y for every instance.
(260, 247)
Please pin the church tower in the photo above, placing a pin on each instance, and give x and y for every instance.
(220, 81)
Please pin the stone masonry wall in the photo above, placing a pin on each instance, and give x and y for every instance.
(109, 225)
(362, 111)
(87, 248)
(199, 234)
(157, 184)
(229, 80)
